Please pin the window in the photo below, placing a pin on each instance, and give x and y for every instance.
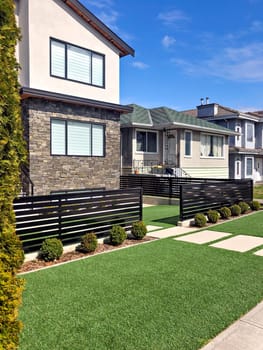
(76, 63)
(146, 141)
(187, 143)
(212, 146)
(73, 138)
(250, 132)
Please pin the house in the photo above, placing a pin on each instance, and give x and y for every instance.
(246, 149)
(69, 81)
(157, 139)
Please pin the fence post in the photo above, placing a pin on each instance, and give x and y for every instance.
(181, 203)
(141, 203)
(59, 218)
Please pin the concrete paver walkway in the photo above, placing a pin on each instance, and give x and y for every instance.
(240, 243)
(203, 237)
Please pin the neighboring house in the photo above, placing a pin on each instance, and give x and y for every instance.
(70, 96)
(157, 138)
(246, 149)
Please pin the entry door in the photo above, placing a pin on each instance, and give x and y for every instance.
(171, 149)
(237, 169)
(259, 169)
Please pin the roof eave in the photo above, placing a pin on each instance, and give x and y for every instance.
(98, 25)
(26, 92)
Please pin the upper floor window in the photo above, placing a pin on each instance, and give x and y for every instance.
(146, 141)
(75, 63)
(74, 138)
(188, 143)
(212, 146)
(249, 135)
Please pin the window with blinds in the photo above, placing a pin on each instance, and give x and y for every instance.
(212, 146)
(73, 138)
(75, 63)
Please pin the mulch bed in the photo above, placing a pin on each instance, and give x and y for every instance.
(74, 255)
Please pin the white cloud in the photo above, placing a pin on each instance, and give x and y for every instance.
(236, 64)
(172, 17)
(140, 65)
(168, 41)
(99, 4)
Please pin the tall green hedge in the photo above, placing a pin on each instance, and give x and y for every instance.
(12, 155)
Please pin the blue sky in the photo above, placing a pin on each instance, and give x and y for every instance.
(188, 49)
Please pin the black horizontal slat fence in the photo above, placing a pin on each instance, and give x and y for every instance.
(69, 216)
(196, 195)
(199, 198)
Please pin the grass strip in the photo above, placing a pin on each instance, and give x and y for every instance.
(251, 225)
(158, 296)
(161, 215)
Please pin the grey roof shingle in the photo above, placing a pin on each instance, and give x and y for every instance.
(164, 117)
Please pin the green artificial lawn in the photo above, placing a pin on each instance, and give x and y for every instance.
(161, 215)
(163, 295)
(251, 225)
(258, 192)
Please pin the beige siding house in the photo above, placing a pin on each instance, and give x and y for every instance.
(162, 140)
(70, 96)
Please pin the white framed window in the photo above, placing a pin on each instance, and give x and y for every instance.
(238, 137)
(74, 138)
(250, 135)
(146, 141)
(212, 146)
(188, 143)
(249, 166)
(75, 63)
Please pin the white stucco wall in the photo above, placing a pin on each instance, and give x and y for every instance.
(41, 19)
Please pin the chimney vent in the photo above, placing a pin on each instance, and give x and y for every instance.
(207, 100)
(202, 101)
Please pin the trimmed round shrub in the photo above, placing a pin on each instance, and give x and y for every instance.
(225, 212)
(139, 229)
(117, 235)
(244, 207)
(88, 243)
(235, 210)
(51, 249)
(254, 205)
(213, 216)
(200, 220)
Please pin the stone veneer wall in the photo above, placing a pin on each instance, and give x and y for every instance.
(58, 173)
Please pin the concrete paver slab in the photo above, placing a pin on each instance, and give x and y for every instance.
(240, 243)
(170, 232)
(203, 237)
(152, 228)
(259, 252)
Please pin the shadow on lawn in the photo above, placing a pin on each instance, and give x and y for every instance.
(171, 220)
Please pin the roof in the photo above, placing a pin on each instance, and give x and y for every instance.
(26, 92)
(167, 118)
(100, 27)
(222, 112)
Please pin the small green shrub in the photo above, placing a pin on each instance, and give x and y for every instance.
(254, 205)
(51, 249)
(225, 212)
(235, 210)
(88, 243)
(213, 216)
(117, 235)
(139, 229)
(200, 220)
(244, 207)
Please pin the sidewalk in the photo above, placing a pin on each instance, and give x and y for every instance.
(244, 334)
